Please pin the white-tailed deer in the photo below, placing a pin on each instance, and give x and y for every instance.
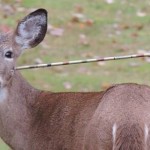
(30, 119)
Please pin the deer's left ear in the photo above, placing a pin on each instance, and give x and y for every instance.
(31, 30)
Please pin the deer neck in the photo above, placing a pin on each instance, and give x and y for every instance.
(15, 103)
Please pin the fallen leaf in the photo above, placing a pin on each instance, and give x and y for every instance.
(147, 59)
(89, 22)
(101, 63)
(54, 31)
(83, 39)
(7, 10)
(105, 86)
(109, 1)
(21, 9)
(141, 14)
(79, 8)
(139, 26)
(38, 61)
(67, 85)
(141, 51)
(5, 28)
(135, 34)
(57, 32)
(78, 17)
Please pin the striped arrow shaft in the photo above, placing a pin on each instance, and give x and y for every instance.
(82, 61)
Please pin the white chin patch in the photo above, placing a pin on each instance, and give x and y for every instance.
(3, 91)
(3, 94)
(1, 82)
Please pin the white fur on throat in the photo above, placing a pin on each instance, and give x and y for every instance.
(3, 91)
(3, 94)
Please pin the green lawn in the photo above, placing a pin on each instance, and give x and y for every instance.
(117, 29)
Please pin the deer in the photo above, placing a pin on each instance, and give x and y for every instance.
(31, 119)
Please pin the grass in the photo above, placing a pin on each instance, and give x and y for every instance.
(117, 30)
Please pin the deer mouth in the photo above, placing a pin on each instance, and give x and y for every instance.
(1, 82)
(4, 82)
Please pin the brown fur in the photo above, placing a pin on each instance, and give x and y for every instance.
(73, 121)
(127, 106)
(129, 137)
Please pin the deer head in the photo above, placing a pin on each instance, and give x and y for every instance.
(29, 33)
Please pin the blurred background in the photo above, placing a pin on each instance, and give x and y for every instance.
(81, 29)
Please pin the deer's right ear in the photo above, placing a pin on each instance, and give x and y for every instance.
(31, 30)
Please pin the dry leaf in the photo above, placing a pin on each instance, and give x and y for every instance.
(79, 8)
(83, 39)
(5, 28)
(78, 17)
(67, 85)
(89, 22)
(109, 1)
(56, 31)
(105, 86)
(21, 9)
(147, 59)
(101, 63)
(141, 14)
(38, 61)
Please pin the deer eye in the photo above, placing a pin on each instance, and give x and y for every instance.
(9, 54)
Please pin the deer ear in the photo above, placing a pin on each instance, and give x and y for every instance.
(31, 30)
